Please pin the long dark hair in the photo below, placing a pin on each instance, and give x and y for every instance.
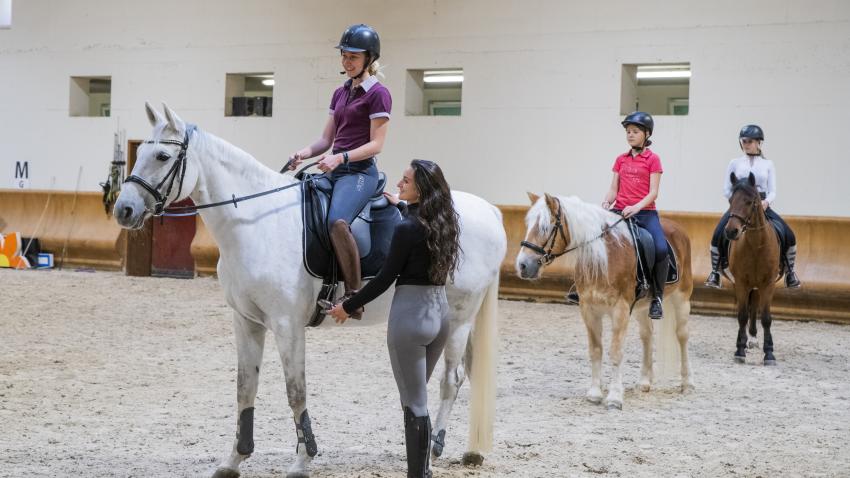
(437, 214)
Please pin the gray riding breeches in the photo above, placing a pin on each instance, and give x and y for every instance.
(417, 332)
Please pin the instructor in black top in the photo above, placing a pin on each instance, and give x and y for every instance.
(423, 254)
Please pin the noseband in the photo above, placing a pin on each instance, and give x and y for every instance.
(177, 169)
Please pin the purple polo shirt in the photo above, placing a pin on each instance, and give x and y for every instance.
(354, 110)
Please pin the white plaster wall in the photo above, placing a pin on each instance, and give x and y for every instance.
(540, 97)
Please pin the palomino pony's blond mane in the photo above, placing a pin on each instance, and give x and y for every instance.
(585, 222)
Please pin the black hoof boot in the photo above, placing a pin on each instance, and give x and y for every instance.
(655, 310)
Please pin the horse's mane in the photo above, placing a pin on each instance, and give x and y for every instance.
(585, 222)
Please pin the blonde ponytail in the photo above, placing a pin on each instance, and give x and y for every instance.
(375, 68)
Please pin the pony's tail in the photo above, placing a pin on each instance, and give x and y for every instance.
(482, 374)
(669, 353)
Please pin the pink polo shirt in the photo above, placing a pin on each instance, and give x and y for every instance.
(634, 177)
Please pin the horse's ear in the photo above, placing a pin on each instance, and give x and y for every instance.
(552, 203)
(732, 178)
(533, 197)
(153, 115)
(174, 121)
(752, 179)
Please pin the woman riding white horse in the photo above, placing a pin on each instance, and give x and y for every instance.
(260, 268)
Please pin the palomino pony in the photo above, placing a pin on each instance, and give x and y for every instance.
(605, 277)
(753, 262)
(265, 282)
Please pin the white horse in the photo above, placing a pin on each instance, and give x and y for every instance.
(265, 282)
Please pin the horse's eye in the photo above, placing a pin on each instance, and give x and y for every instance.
(163, 156)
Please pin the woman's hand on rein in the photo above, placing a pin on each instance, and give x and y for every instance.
(329, 162)
(297, 158)
(392, 198)
(338, 313)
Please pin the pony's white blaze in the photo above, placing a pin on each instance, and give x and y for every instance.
(264, 280)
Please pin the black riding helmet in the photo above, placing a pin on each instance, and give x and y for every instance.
(751, 131)
(361, 38)
(641, 119)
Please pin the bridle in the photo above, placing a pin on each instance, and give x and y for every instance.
(746, 222)
(547, 257)
(177, 169)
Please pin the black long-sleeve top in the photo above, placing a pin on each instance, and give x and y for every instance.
(408, 261)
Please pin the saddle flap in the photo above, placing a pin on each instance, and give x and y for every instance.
(646, 256)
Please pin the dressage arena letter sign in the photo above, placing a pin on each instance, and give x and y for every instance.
(22, 175)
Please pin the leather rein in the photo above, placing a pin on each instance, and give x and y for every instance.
(179, 169)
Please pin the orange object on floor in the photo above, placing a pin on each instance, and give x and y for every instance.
(10, 251)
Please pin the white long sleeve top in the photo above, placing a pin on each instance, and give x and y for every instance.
(761, 168)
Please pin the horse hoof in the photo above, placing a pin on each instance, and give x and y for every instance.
(739, 359)
(225, 473)
(614, 405)
(644, 387)
(768, 362)
(472, 458)
(439, 443)
(594, 400)
(688, 388)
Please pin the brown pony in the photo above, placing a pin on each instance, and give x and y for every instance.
(605, 267)
(753, 263)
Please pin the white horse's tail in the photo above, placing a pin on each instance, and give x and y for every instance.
(482, 375)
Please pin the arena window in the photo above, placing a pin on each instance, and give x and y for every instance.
(90, 96)
(658, 89)
(434, 92)
(248, 94)
(5, 14)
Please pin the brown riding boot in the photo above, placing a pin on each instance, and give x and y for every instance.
(348, 258)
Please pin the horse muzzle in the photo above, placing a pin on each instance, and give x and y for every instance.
(732, 234)
(130, 212)
(527, 268)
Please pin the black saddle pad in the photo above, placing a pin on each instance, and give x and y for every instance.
(372, 228)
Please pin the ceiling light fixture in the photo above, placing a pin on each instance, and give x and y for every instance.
(443, 79)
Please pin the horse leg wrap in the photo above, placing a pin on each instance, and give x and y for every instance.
(305, 435)
(439, 442)
(245, 436)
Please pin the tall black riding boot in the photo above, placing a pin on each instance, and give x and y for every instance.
(713, 280)
(658, 282)
(791, 280)
(417, 439)
(348, 258)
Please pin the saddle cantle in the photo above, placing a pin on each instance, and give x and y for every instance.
(645, 248)
(372, 230)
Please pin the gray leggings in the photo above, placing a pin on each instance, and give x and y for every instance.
(416, 335)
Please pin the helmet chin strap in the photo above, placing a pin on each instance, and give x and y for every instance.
(365, 67)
